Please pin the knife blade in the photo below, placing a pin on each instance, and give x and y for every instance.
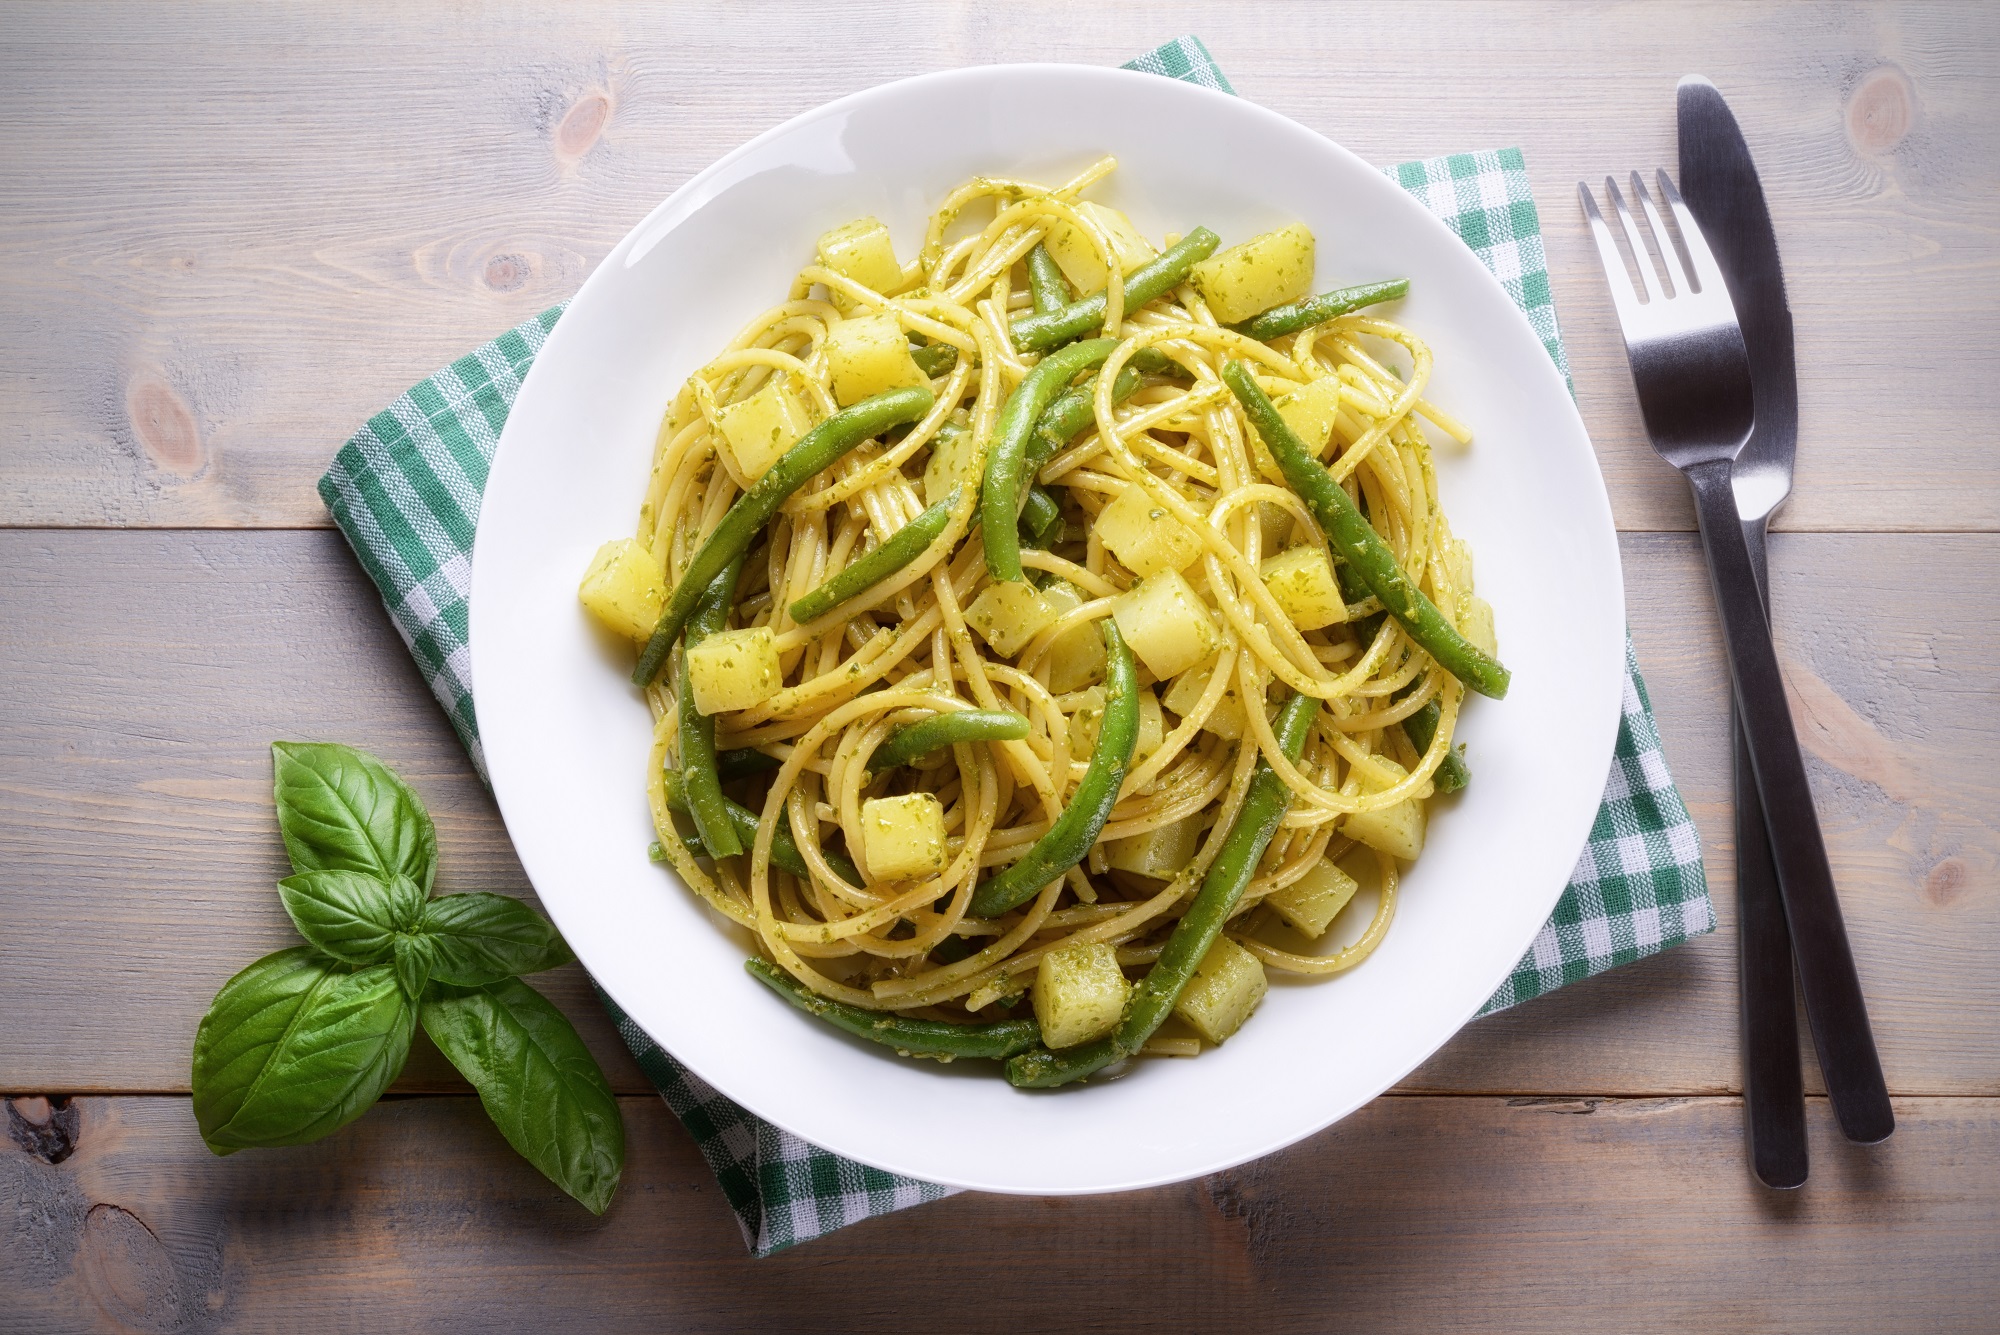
(1720, 184)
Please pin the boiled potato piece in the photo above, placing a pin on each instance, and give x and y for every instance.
(1310, 411)
(1478, 625)
(624, 588)
(1088, 718)
(1225, 720)
(1315, 899)
(955, 461)
(1301, 580)
(1398, 830)
(1079, 993)
(1076, 659)
(1077, 256)
(1009, 614)
(861, 250)
(903, 837)
(1144, 537)
(1225, 989)
(869, 356)
(1263, 272)
(1159, 853)
(734, 669)
(1165, 623)
(759, 430)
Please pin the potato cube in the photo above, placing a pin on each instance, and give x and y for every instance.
(1225, 720)
(1477, 625)
(1076, 659)
(1079, 993)
(903, 837)
(1166, 624)
(1145, 537)
(1159, 853)
(1074, 253)
(1009, 614)
(955, 461)
(1457, 557)
(1088, 717)
(1274, 521)
(734, 669)
(1225, 989)
(1315, 899)
(861, 250)
(758, 430)
(624, 588)
(1263, 272)
(1398, 830)
(1301, 580)
(869, 356)
(1310, 411)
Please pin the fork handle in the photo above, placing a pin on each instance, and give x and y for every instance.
(1834, 1005)
(1773, 1091)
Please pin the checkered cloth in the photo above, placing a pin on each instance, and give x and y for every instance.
(405, 490)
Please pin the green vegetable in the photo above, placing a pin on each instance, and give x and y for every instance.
(294, 1048)
(305, 1040)
(704, 784)
(1006, 458)
(745, 762)
(1360, 546)
(819, 449)
(1040, 513)
(536, 1080)
(1297, 315)
(1264, 806)
(1045, 280)
(934, 359)
(1157, 276)
(919, 1038)
(785, 853)
(905, 545)
(1420, 728)
(1074, 409)
(1089, 807)
(964, 725)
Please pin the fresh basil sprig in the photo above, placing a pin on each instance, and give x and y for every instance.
(304, 1041)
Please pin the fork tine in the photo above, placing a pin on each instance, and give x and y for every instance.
(1670, 257)
(1707, 272)
(1615, 273)
(1639, 255)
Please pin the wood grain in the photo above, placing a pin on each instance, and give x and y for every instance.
(148, 673)
(1415, 1214)
(228, 233)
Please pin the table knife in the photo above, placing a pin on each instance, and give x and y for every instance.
(1720, 184)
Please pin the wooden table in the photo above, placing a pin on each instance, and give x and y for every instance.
(228, 235)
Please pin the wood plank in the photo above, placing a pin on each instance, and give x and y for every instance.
(138, 848)
(1415, 1214)
(230, 234)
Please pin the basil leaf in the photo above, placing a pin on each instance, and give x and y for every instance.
(340, 809)
(484, 938)
(293, 1048)
(537, 1081)
(352, 915)
(415, 956)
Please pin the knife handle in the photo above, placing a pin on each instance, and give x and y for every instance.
(1774, 1098)
(1834, 1005)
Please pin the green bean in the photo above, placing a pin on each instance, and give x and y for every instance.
(1075, 409)
(934, 359)
(744, 762)
(816, 451)
(698, 770)
(903, 546)
(1289, 319)
(1420, 728)
(1154, 278)
(1007, 455)
(1076, 829)
(1040, 512)
(785, 853)
(964, 725)
(910, 1037)
(1357, 543)
(1264, 806)
(1045, 280)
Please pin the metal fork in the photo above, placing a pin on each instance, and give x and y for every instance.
(1692, 374)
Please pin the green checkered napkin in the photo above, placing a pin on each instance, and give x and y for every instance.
(405, 490)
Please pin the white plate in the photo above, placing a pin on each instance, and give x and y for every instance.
(566, 736)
